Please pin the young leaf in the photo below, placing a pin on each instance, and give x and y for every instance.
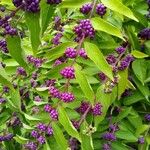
(59, 50)
(20, 139)
(47, 12)
(65, 121)
(30, 118)
(33, 23)
(16, 51)
(138, 54)
(117, 6)
(102, 25)
(59, 137)
(84, 84)
(97, 57)
(123, 81)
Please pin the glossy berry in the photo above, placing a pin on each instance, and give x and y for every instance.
(71, 52)
(97, 109)
(41, 139)
(57, 38)
(84, 29)
(42, 127)
(35, 134)
(17, 3)
(83, 107)
(111, 59)
(54, 1)
(68, 72)
(141, 140)
(147, 117)
(2, 100)
(102, 76)
(54, 92)
(54, 114)
(47, 108)
(3, 46)
(113, 127)
(100, 9)
(109, 136)
(83, 53)
(67, 97)
(86, 8)
(144, 34)
(120, 50)
(106, 147)
(31, 146)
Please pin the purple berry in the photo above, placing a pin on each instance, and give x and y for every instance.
(111, 59)
(8, 137)
(54, 114)
(31, 146)
(35, 134)
(68, 72)
(41, 139)
(67, 97)
(49, 131)
(54, 1)
(5, 89)
(37, 98)
(3, 46)
(141, 140)
(120, 50)
(97, 109)
(113, 127)
(54, 92)
(21, 71)
(101, 9)
(57, 62)
(42, 127)
(109, 136)
(17, 3)
(147, 117)
(71, 52)
(106, 147)
(75, 124)
(56, 39)
(2, 100)
(83, 107)
(47, 108)
(102, 76)
(86, 8)
(144, 34)
(83, 53)
(73, 143)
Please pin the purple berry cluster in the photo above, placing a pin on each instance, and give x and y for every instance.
(106, 146)
(68, 73)
(147, 117)
(109, 136)
(102, 76)
(56, 39)
(67, 97)
(84, 29)
(53, 1)
(97, 109)
(120, 50)
(37, 62)
(83, 107)
(141, 140)
(144, 34)
(21, 71)
(111, 59)
(6, 137)
(83, 53)
(54, 92)
(86, 8)
(37, 99)
(52, 111)
(70, 52)
(75, 124)
(101, 9)
(31, 146)
(28, 5)
(3, 46)
(2, 100)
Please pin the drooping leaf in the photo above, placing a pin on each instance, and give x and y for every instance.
(102, 25)
(84, 84)
(138, 54)
(97, 57)
(33, 23)
(117, 6)
(16, 51)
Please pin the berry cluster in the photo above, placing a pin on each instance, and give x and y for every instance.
(21, 71)
(37, 62)
(144, 34)
(31, 146)
(147, 117)
(56, 39)
(6, 137)
(68, 73)
(3, 46)
(97, 109)
(2, 100)
(84, 29)
(71, 52)
(101, 9)
(86, 8)
(54, 1)
(83, 53)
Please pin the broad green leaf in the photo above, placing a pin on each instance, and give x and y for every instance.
(68, 126)
(16, 51)
(47, 12)
(141, 129)
(33, 23)
(138, 54)
(46, 146)
(73, 3)
(59, 137)
(139, 67)
(102, 25)
(31, 118)
(123, 81)
(117, 6)
(84, 84)
(126, 135)
(59, 50)
(4, 79)
(20, 139)
(118, 146)
(97, 57)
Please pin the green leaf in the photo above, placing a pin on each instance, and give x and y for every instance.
(68, 126)
(102, 25)
(118, 146)
(30, 118)
(138, 54)
(97, 57)
(59, 50)
(84, 84)
(141, 129)
(126, 135)
(117, 6)
(123, 81)
(47, 12)
(33, 23)
(73, 3)
(16, 51)
(20, 139)
(4, 79)
(59, 137)
(139, 67)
